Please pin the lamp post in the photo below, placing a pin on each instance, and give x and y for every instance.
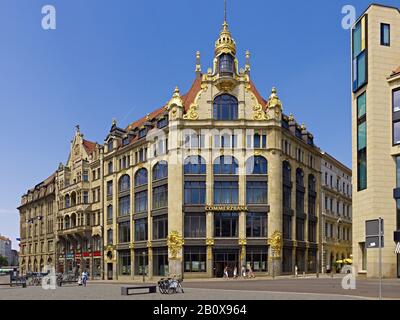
(144, 266)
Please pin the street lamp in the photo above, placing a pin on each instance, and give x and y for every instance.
(143, 267)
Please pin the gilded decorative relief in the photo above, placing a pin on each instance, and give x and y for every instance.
(192, 113)
(276, 243)
(175, 244)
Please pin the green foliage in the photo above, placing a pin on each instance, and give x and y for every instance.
(3, 261)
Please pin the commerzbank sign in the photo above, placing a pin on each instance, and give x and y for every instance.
(226, 208)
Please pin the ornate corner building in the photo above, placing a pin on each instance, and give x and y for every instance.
(217, 177)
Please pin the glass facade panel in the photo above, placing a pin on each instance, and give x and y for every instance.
(160, 262)
(160, 171)
(160, 227)
(195, 192)
(124, 206)
(141, 177)
(396, 100)
(226, 108)
(195, 225)
(195, 259)
(396, 132)
(124, 232)
(257, 258)
(160, 197)
(141, 201)
(226, 225)
(385, 34)
(256, 225)
(141, 262)
(141, 230)
(362, 105)
(195, 165)
(362, 136)
(257, 192)
(226, 192)
(125, 263)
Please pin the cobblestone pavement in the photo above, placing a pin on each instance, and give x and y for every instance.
(113, 292)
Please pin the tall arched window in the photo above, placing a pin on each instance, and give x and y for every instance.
(195, 165)
(110, 212)
(141, 177)
(257, 165)
(160, 171)
(287, 209)
(312, 220)
(226, 64)
(256, 187)
(226, 108)
(226, 165)
(67, 201)
(124, 183)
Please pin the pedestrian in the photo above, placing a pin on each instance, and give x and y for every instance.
(226, 274)
(296, 272)
(243, 272)
(235, 271)
(84, 278)
(251, 274)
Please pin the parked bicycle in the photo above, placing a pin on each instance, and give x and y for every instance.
(170, 285)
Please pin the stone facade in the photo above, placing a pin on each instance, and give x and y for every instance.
(373, 192)
(217, 177)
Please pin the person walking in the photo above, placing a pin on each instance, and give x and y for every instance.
(235, 273)
(251, 274)
(84, 278)
(243, 273)
(226, 274)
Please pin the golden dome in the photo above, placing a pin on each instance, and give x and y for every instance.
(225, 42)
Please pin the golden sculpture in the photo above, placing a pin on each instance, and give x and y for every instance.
(259, 113)
(225, 42)
(175, 244)
(276, 243)
(192, 113)
(210, 242)
(242, 241)
(274, 100)
(176, 100)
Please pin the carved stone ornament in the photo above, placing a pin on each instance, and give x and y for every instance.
(192, 113)
(276, 243)
(175, 244)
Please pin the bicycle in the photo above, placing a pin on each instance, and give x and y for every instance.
(170, 285)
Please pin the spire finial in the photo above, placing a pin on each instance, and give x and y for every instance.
(114, 122)
(225, 20)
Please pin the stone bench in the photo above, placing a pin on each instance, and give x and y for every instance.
(125, 291)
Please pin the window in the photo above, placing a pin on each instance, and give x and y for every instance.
(257, 258)
(195, 192)
(109, 188)
(257, 166)
(398, 172)
(195, 225)
(396, 100)
(195, 165)
(85, 197)
(226, 166)
(226, 225)
(110, 167)
(110, 212)
(312, 231)
(109, 237)
(124, 232)
(361, 143)
(226, 192)
(299, 229)
(162, 123)
(141, 229)
(257, 192)
(124, 183)
(256, 225)
(396, 133)
(194, 141)
(125, 262)
(385, 34)
(67, 201)
(359, 46)
(195, 259)
(142, 133)
(160, 197)
(287, 186)
(85, 176)
(160, 262)
(226, 108)
(124, 206)
(141, 177)
(398, 214)
(160, 171)
(125, 141)
(110, 145)
(260, 141)
(160, 227)
(226, 64)
(141, 201)
(141, 261)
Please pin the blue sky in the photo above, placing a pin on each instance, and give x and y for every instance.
(122, 59)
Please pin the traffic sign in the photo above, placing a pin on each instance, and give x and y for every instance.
(374, 234)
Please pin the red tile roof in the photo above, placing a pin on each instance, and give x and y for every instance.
(89, 146)
(189, 97)
(254, 90)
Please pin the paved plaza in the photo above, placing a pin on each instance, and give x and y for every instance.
(282, 289)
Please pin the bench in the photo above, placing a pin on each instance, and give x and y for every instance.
(125, 290)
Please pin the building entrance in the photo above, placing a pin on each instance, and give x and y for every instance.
(225, 258)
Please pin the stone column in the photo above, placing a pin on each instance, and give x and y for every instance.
(275, 200)
(132, 247)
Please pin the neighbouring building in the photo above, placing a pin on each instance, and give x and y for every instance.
(376, 135)
(217, 177)
(5, 248)
(336, 225)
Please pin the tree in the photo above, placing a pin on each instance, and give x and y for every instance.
(3, 261)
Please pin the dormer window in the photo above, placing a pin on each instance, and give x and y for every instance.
(125, 141)
(142, 133)
(110, 145)
(226, 64)
(162, 123)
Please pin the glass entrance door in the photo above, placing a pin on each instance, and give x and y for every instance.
(225, 258)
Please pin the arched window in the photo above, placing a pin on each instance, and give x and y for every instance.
(226, 165)
(67, 201)
(287, 172)
(226, 108)
(311, 183)
(160, 171)
(73, 199)
(257, 165)
(141, 177)
(195, 165)
(226, 64)
(67, 222)
(110, 167)
(124, 183)
(287, 204)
